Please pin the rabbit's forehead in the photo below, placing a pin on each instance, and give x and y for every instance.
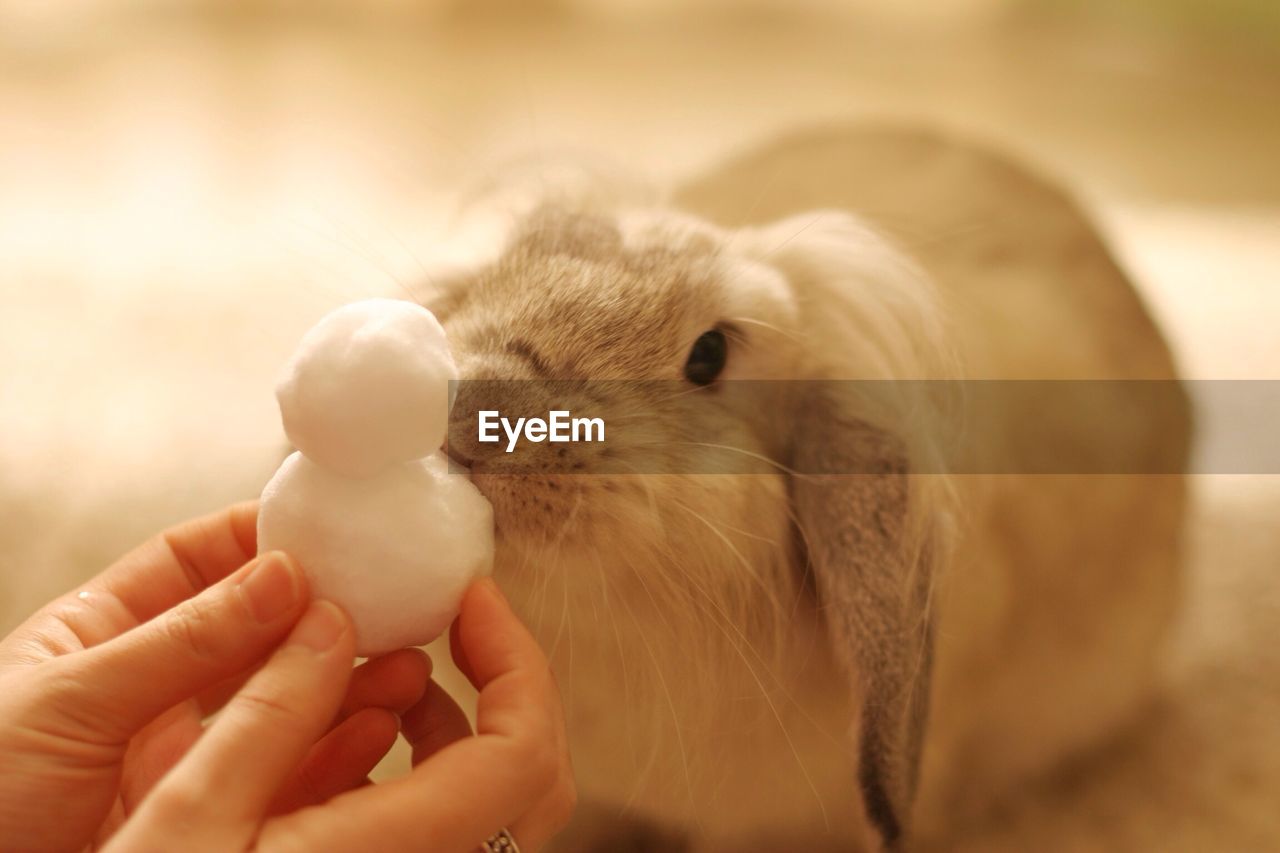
(620, 295)
(747, 286)
(663, 270)
(644, 310)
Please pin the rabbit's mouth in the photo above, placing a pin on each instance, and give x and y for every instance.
(543, 509)
(533, 505)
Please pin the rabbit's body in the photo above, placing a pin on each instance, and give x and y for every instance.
(1062, 585)
(723, 709)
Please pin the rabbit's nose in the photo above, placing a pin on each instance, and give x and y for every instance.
(461, 444)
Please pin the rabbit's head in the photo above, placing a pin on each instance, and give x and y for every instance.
(735, 475)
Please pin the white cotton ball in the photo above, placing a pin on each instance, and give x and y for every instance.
(396, 550)
(369, 387)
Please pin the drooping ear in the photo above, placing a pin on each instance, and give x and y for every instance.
(869, 519)
(870, 555)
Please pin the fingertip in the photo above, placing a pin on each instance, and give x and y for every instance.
(414, 666)
(490, 636)
(395, 681)
(489, 586)
(375, 725)
(416, 659)
(484, 603)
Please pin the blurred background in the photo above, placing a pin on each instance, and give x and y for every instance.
(186, 186)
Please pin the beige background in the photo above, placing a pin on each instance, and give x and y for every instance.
(184, 188)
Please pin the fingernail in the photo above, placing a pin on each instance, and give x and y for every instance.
(321, 627)
(271, 588)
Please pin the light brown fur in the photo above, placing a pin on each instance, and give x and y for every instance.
(724, 676)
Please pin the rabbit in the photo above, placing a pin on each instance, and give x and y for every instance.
(863, 657)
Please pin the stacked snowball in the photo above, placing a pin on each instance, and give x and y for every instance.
(367, 505)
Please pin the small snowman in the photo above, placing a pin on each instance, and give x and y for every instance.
(367, 504)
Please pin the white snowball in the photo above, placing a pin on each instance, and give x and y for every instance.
(396, 550)
(369, 387)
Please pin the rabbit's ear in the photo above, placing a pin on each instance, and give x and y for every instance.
(870, 560)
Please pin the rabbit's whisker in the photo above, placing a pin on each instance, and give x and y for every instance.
(737, 647)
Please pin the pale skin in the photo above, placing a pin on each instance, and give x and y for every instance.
(105, 691)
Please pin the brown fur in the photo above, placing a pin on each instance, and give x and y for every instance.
(716, 636)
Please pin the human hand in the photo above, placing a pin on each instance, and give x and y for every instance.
(102, 695)
(514, 772)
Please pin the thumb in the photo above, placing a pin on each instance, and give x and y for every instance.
(123, 684)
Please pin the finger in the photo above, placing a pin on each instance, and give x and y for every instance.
(213, 698)
(506, 666)
(220, 790)
(491, 664)
(394, 681)
(125, 683)
(182, 561)
(341, 760)
(468, 790)
(156, 749)
(167, 569)
(433, 723)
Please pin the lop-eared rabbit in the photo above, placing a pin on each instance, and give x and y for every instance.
(851, 648)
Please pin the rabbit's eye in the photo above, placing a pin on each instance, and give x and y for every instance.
(707, 358)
